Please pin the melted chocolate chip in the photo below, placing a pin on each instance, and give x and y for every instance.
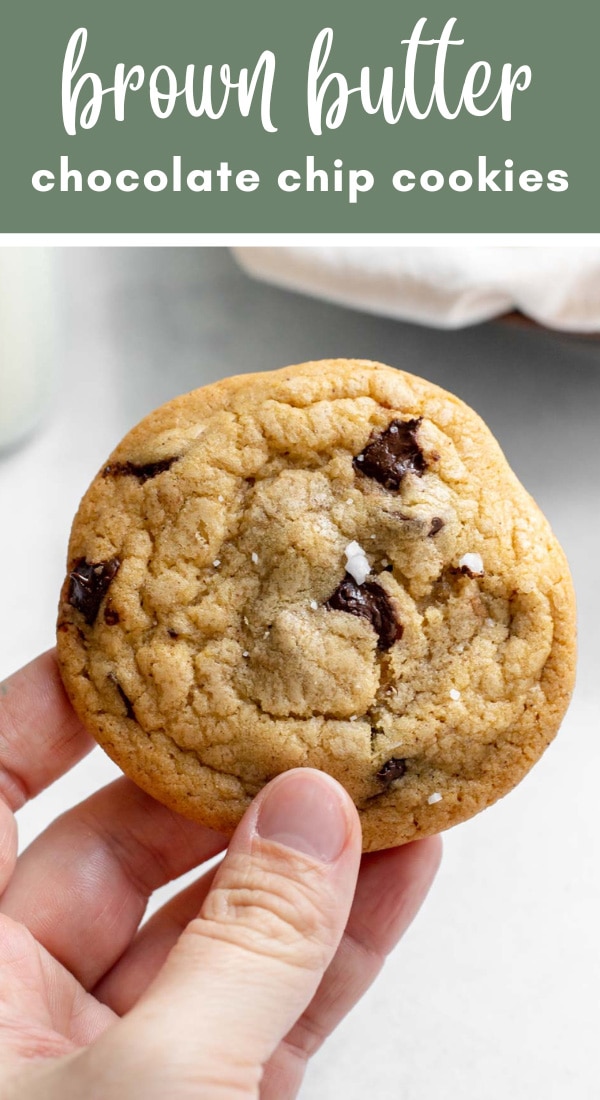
(436, 525)
(466, 571)
(368, 601)
(129, 711)
(88, 585)
(376, 732)
(392, 454)
(142, 472)
(111, 615)
(394, 768)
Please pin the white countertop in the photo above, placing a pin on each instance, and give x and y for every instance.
(494, 991)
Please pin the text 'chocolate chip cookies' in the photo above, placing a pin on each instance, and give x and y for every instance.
(329, 565)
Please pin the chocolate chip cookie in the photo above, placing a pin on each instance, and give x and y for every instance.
(330, 565)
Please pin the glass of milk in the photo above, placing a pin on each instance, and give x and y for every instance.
(27, 348)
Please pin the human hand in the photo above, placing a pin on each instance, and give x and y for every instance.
(232, 985)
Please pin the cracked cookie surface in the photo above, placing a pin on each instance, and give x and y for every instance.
(328, 565)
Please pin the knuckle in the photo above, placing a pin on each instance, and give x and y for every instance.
(280, 908)
(305, 1038)
(8, 844)
(13, 788)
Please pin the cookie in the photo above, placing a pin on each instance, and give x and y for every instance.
(330, 565)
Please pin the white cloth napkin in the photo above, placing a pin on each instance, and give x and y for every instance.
(447, 286)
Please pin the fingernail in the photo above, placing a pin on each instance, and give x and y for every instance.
(304, 810)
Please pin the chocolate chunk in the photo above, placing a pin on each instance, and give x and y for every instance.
(392, 454)
(142, 472)
(129, 711)
(88, 585)
(394, 768)
(436, 525)
(370, 602)
(111, 615)
(376, 731)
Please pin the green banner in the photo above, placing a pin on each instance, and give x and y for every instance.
(265, 116)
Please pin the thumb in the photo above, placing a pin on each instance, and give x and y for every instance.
(246, 968)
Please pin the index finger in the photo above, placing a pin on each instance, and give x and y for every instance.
(40, 734)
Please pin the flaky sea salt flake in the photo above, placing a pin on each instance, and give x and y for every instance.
(357, 564)
(454, 693)
(472, 564)
(435, 797)
(254, 557)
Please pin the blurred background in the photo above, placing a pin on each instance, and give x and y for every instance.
(494, 991)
